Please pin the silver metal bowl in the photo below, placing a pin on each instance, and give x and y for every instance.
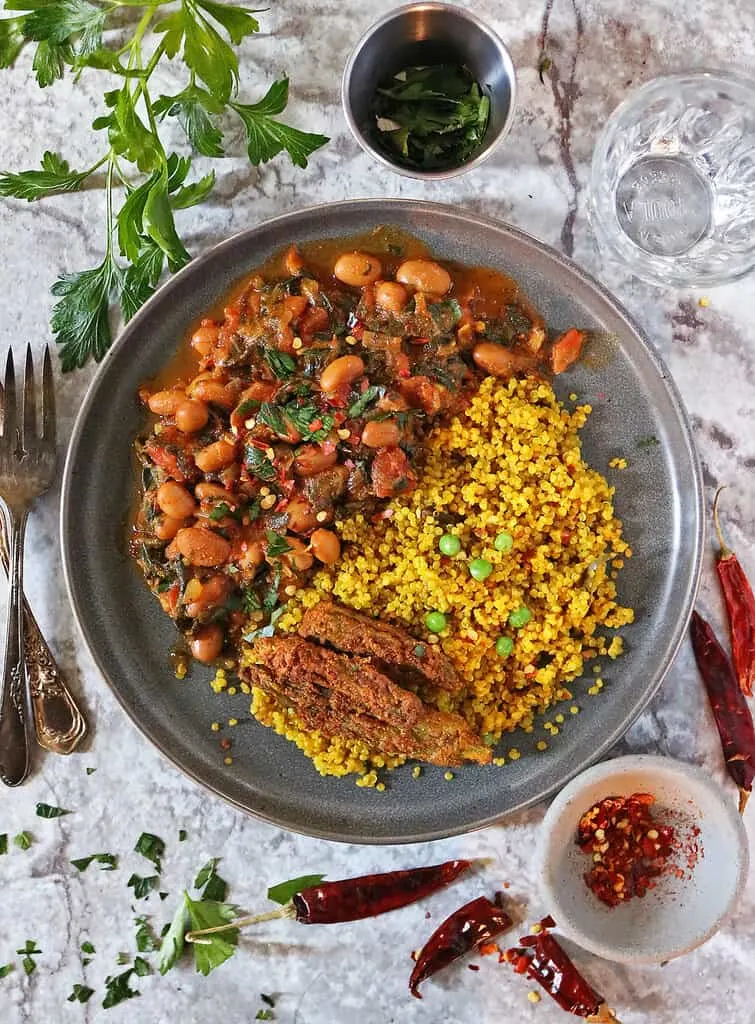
(428, 33)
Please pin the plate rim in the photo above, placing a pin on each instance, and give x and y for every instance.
(419, 206)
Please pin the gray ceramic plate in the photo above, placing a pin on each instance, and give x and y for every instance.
(659, 498)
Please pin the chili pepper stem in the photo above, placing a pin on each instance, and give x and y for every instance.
(725, 549)
(744, 796)
(288, 911)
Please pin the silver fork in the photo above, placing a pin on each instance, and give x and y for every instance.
(27, 467)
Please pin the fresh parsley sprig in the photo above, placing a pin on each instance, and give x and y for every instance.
(141, 237)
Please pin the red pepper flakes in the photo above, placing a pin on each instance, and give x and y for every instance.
(225, 744)
(629, 847)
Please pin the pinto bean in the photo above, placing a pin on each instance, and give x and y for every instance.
(301, 515)
(200, 546)
(380, 434)
(213, 391)
(298, 557)
(204, 338)
(425, 276)
(166, 527)
(313, 459)
(357, 269)
(391, 295)
(215, 456)
(325, 546)
(205, 489)
(207, 643)
(344, 370)
(175, 500)
(211, 594)
(165, 403)
(192, 415)
(499, 361)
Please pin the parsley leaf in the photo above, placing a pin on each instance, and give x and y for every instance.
(81, 318)
(281, 363)
(283, 892)
(267, 137)
(48, 811)
(71, 21)
(117, 989)
(29, 950)
(182, 835)
(210, 914)
(55, 177)
(366, 398)
(23, 840)
(108, 861)
(264, 1015)
(146, 941)
(5, 970)
(143, 886)
(152, 847)
(12, 39)
(213, 886)
(141, 967)
(80, 994)
(172, 945)
(277, 544)
(91, 771)
(3, 843)
(259, 465)
(193, 108)
(87, 947)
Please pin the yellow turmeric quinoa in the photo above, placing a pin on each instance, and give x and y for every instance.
(511, 463)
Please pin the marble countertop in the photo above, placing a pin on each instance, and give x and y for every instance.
(536, 181)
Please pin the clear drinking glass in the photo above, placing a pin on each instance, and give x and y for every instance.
(672, 185)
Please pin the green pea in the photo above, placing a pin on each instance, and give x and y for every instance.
(520, 617)
(480, 568)
(503, 542)
(449, 544)
(504, 645)
(436, 622)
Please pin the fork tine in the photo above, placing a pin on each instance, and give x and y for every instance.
(9, 410)
(30, 401)
(48, 399)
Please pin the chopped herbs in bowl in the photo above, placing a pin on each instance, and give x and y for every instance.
(431, 118)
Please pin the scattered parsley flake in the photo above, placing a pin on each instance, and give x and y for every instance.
(118, 989)
(267, 999)
(5, 970)
(213, 886)
(152, 847)
(264, 1015)
(143, 886)
(87, 947)
(91, 771)
(30, 950)
(23, 840)
(48, 811)
(80, 994)
(141, 967)
(3, 843)
(107, 861)
(146, 940)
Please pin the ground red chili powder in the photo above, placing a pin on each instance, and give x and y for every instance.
(630, 848)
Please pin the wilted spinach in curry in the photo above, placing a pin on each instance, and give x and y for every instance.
(315, 390)
(431, 118)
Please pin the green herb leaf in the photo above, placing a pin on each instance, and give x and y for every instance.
(50, 60)
(55, 177)
(281, 363)
(194, 194)
(152, 847)
(277, 544)
(141, 967)
(23, 840)
(259, 465)
(220, 511)
(87, 947)
(91, 771)
(250, 601)
(182, 835)
(366, 398)
(5, 970)
(146, 940)
(193, 108)
(29, 950)
(80, 994)
(267, 999)
(12, 40)
(48, 811)
(107, 861)
(143, 886)
(213, 886)
(264, 1015)
(237, 21)
(173, 943)
(3, 843)
(284, 892)
(140, 279)
(267, 137)
(117, 989)
(210, 914)
(122, 959)
(64, 21)
(80, 320)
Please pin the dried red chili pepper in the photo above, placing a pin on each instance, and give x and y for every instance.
(730, 709)
(353, 899)
(543, 959)
(740, 604)
(467, 928)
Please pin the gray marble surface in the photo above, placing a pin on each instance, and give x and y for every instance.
(537, 181)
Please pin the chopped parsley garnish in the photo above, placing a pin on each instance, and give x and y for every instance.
(250, 601)
(80, 994)
(366, 398)
(23, 840)
(152, 847)
(91, 771)
(146, 941)
(220, 511)
(48, 811)
(87, 947)
(277, 544)
(264, 1015)
(281, 363)
(30, 950)
(259, 465)
(143, 886)
(3, 843)
(141, 967)
(107, 861)
(5, 970)
(267, 999)
(182, 835)
(213, 886)
(117, 989)
(122, 959)
(291, 419)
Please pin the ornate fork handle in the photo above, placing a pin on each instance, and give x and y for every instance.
(58, 722)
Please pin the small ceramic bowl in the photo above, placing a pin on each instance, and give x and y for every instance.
(428, 33)
(680, 913)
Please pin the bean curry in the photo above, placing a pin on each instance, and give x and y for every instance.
(306, 398)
